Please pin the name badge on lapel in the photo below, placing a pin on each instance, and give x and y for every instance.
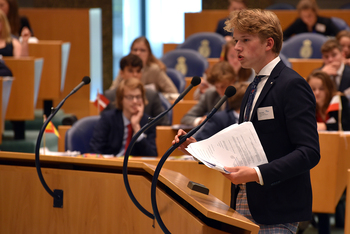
(265, 113)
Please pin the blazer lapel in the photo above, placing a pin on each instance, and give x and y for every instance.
(269, 83)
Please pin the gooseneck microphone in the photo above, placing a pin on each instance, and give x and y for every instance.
(196, 80)
(56, 194)
(86, 80)
(229, 92)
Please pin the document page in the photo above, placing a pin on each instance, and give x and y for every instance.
(236, 145)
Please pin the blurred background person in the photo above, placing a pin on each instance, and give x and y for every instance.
(153, 72)
(343, 38)
(233, 5)
(220, 76)
(310, 21)
(225, 118)
(131, 67)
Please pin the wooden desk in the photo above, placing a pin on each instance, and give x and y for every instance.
(206, 20)
(5, 90)
(55, 55)
(347, 209)
(181, 108)
(329, 177)
(95, 200)
(25, 87)
(305, 66)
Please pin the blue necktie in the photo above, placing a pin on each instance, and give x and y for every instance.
(251, 97)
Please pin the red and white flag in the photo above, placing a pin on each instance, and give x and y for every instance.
(101, 102)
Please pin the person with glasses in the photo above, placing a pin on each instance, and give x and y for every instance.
(114, 130)
(131, 66)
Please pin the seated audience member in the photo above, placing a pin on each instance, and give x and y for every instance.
(332, 114)
(115, 128)
(131, 66)
(9, 46)
(153, 72)
(20, 27)
(343, 38)
(225, 118)
(221, 76)
(310, 21)
(230, 55)
(233, 6)
(334, 66)
(327, 99)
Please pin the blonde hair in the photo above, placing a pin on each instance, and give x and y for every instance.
(131, 83)
(6, 30)
(257, 21)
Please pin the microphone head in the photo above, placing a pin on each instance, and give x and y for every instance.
(86, 80)
(196, 80)
(230, 91)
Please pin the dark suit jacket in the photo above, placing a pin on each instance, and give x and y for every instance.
(205, 104)
(298, 26)
(290, 142)
(109, 132)
(345, 79)
(153, 108)
(219, 121)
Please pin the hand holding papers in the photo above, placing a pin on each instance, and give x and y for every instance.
(236, 145)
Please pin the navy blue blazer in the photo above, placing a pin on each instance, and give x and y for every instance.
(109, 132)
(290, 142)
(215, 124)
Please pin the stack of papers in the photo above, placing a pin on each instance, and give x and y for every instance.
(236, 145)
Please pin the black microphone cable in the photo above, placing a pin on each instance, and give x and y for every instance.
(229, 92)
(196, 80)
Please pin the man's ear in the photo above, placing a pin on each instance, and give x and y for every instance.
(121, 73)
(269, 43)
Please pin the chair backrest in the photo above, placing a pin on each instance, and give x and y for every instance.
(188, 62)
(281, 6)
(285, 60)
(340, 23)
(345, 6)
(80, 134)
(208, 44)
(304, 45)
(166, 104)
(177, 78)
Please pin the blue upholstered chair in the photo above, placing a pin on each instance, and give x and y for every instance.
(177, 78)
(345, 6)
(188, 62)
(208, 44)
(285, 60)
(281, 6)
(78, 137)
(304, 45)
(166, 105)
(340, 23)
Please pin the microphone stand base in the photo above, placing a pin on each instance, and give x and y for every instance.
(58, 199)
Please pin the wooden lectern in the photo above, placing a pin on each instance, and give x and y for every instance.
(5, 90)
(25, 87)
(55, 54)
(95, 200)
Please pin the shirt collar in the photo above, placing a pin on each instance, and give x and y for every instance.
(125, 120)
(341, 70)
(266, 71)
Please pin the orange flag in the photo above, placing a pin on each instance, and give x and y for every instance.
(50, 128)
